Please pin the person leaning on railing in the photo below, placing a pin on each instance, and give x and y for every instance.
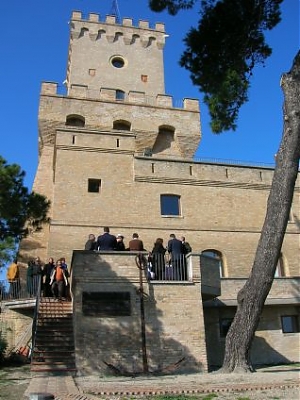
(34, 273)
(13, 277)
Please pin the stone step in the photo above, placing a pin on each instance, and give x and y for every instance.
(51, 368)
(42, 353)
(54, 343)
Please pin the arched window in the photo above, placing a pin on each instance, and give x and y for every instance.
(164, 142)
(122, 125)
(83, 31)
(217, 258)
(170, 204)
(280, 270)
(75, 120)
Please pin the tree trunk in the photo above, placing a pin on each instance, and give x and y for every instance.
(252, 296)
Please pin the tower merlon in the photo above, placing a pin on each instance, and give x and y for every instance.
(111, 19)
(191, 104)
(110, 94)
(49, 88)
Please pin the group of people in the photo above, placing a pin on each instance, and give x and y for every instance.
(108, 242)
(169, 263)
(52, 275)
(55, 279)
(165, 262)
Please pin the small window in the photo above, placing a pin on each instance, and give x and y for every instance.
(120, 95)
(94, 185)
(92, 72)
(144, 78)
(118, 62)
(224, 326)
(290, 323)
(170, 204)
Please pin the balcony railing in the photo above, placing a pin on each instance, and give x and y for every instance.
(163, 268)
(18, 290)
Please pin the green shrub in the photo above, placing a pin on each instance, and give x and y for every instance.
(3, 347)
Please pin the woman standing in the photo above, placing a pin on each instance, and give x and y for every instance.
(158, 259)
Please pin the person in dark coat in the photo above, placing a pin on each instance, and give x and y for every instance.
(34, 274)
(120, 243)
(106, 241)
(177, 252)
(186, 246)
(47, 274)
(158, 259)
(91, 243)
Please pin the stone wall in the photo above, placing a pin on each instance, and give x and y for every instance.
(16, 326)
(270, 345)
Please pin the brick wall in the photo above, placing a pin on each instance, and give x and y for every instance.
(173, 318)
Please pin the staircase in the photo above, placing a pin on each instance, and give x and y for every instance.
(54, 342)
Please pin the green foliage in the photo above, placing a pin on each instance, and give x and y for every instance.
(173, 6)
(20, 211)
(3, 347)
(7, 251)
(223, 50)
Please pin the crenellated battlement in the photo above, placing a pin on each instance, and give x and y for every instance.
(108, 94)
(113, 31)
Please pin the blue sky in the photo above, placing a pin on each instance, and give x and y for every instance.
(34, 45)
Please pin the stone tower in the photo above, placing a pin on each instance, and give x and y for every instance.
(113, 109)
(114, 151)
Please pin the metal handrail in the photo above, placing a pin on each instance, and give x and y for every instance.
(35, 315)
(17, 290)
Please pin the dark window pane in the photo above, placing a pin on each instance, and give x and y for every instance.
(118, 62)
(169, 204)
(289, 323)
(94, 185)
(120, 95)
(224, 326)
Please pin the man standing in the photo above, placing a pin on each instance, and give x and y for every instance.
(176, 250)
(136, 244)
(106, 241)
(186, 246)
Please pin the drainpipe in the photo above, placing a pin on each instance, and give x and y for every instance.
(142, 265)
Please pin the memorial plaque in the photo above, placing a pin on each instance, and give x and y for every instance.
(106, 304)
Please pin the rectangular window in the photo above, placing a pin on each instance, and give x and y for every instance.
(94, 185)
(224, 326)
(169, 204)
(290, 323)
(106, 304)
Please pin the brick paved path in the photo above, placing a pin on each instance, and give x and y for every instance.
(85, 388)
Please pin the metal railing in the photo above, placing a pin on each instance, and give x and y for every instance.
(35, 315)
(18, 290)
(167, 268)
